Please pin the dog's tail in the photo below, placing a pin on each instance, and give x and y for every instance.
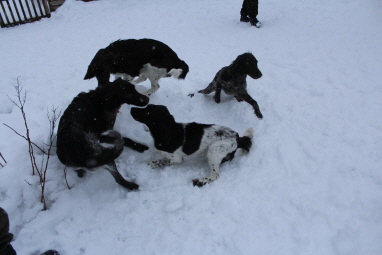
(245, 142)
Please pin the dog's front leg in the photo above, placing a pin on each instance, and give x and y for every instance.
(153, 89)
(247, 98)
(217, 93)
(166, 161)
(134, 145)
(141, 78)
(160, 163)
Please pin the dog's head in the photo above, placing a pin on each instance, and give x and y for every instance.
(122, 92)
(101, 66)
(152, 115)
(180, 71)
(184, 68)
(248, 64)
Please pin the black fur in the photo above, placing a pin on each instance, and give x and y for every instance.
(232, 80)
(131, 57)
(177, 140)
(85, 138)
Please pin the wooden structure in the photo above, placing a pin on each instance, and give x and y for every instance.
(16, 12)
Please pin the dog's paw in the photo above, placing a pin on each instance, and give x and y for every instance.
(155, 164)
(217, 99)
(258, 114)
(80, 172)
(148, 93)
(199, 182)
(191, 95)
(132, 186)
(159, 163)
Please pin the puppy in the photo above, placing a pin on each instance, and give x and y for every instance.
(85, 138)
(145, 58)
(232, 80)
(177, 140)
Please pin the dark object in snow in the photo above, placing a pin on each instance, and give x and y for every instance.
(85, 136)
(249, 11)
(176, 140)
(6, 237)
(232, 80)
(51, 252)
(146, 58)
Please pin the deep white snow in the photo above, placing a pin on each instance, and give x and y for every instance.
(312, 183)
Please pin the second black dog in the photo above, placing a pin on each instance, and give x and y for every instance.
(85, 136)
(232, 80)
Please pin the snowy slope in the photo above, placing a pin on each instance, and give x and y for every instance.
(312, 184)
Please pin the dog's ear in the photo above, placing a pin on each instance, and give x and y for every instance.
(89, 74)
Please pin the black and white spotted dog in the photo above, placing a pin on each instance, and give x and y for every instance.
(85, 136)
(232, 80)
(177, 140)
(145, 58)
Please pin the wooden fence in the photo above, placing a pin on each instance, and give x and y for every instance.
(16, 12)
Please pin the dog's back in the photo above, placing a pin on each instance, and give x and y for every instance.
(129, 57)
(84, 132)
(78, 135)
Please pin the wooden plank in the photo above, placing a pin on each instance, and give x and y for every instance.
(46, 8)
(11, 12)
(5, 13)
(2, 23)
(17, 11)
(22, 9)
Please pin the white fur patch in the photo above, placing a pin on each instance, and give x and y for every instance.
(123, 76)
(153, 74)
(218, 141)
(175, 72)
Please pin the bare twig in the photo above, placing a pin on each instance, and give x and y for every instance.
(5, 162)
(17, 133)
(53, 117)
(1, 155)
(66, 180)
(21, 98)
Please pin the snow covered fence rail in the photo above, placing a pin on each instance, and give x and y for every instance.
(16, 12)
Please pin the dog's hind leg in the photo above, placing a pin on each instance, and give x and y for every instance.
(210, 88)
(112, 168)
(218, 153)
(134, 145)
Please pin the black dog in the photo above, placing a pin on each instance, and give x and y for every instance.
(176, 140)
(85, 138)
(232, 80)
(146, 58)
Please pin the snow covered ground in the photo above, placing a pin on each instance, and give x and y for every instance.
(312, 183)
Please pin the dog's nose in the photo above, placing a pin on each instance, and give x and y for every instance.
(144, 100)
(256, 75)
